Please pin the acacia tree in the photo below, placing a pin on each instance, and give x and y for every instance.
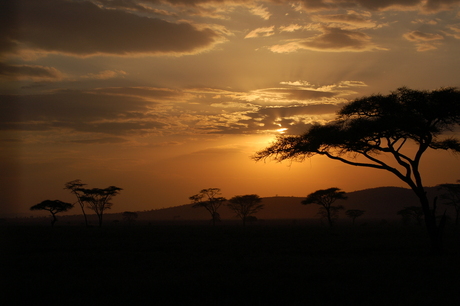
(386, 132)
(245, 206)
(451, 197)
(98, 199)
(325, 198)
(411, 212)
(53, 207)
(354, 213)
(76, 188)
(209, 199)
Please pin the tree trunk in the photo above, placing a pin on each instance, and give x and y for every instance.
(53, 220)
(100, 218)
(435, 231)
(329, 219)
(84, 215)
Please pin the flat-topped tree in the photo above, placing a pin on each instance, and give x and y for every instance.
(53, 207)
(325, 198)
(245, 206)
(76, 187)
(98, 199)
(209, 199)
(388, 132)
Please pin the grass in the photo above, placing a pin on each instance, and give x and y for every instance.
(265, 263)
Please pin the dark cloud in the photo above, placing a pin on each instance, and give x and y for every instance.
(105, 140)
(303, 94)
(436, 5)
(35, 72)
(336, 39)
(147, 92)
(82, 28)
(78, 111)
(377, 5)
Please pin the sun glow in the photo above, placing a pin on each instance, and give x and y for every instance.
(282, 130)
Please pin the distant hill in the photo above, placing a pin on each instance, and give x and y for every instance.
(379, 203)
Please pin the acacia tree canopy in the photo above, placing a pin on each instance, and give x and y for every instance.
(325, 198)
(211, 200)
(98, 199)
(245, 205)
(401, 126)
(53, 207)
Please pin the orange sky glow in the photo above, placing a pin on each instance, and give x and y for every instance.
(164, 98)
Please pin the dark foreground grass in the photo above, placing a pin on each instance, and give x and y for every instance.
(196, 264)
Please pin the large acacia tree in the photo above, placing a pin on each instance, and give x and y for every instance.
(387, 132)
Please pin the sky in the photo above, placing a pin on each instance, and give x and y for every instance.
(164, 98)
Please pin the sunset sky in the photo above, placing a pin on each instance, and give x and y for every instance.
(166, 97)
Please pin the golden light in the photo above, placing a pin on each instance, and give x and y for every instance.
(281, 131)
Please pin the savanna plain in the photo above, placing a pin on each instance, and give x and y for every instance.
(271, 262)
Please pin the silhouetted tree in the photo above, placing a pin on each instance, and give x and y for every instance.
(245, 205)
(411, 212)
(209, 199)
(129, 216)
(451, 197)
(98, 199)
(53, 207)
(76, 187)
(325, 198)
(398, 127)
(354, 213)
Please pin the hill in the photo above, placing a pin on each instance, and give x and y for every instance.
(379, 203)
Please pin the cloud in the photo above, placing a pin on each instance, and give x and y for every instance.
(261, 32)
(295, 120)
(146, 93)
(423, 41)
(84, 29)
(261, 11)
(351, 20)
(440, 5)
(331, 39)
(456, 30)
(106, 74)
(78, 111)
(290, 28)
(29, 72)
(426, 6)
(109, 115)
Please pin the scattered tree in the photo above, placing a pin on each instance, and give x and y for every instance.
(325, 198)
(411, 212)
(245, 206)
(354, 213)
(76, 188)
(98, 199)
(129, 216)
(373, 131)
(53, 207)
(451, 197)
(211, 200)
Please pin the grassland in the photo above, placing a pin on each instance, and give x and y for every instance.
(266, 263)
